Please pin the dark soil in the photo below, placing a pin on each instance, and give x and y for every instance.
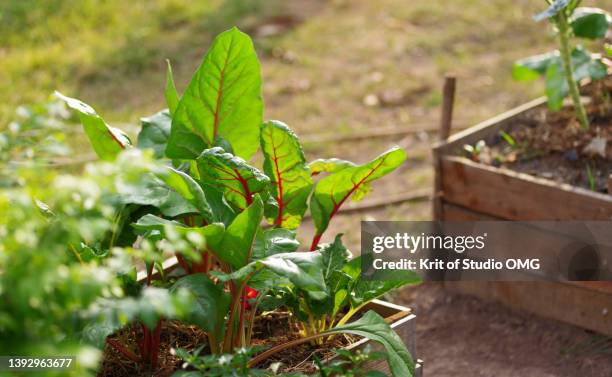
(553, 145)
(270, 329)
(173, 335)
(273, 329)
(462, 336)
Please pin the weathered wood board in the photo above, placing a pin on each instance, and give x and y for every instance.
(469, 191)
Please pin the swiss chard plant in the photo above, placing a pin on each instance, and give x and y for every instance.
(567, 66)
(242, 220)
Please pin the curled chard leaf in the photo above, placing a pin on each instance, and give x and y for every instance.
(189, 189)
(332, 191)
(238, 180)
(222, 99)
(286, 166)
(106, 141)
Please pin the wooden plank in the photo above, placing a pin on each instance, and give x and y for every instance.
(448, 103)
(581, 290)
(503, 193)
(570, 303)
(489, 127)
(378, 133)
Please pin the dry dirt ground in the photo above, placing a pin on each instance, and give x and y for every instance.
(461, 336)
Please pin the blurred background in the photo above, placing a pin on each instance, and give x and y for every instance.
(351, 77)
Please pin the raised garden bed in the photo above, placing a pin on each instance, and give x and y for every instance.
(468, 190)
(401, 319)
(174, 334)
(248, 295)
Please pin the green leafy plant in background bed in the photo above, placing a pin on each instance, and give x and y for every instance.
(59, 283)
(566, 67)
(200, 191)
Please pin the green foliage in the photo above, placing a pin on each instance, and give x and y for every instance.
(36, 131)
(285, 164)
(222, 99)
(50, 230)
(332, 191)
(230, 174)
(105, 140)
(374, 327)
(590, 23)
(347, 291)
(227, 365)
(211, 303)
(564, 68)
(172, 97)
(351, 364)
(207, 207)
(236, 248)
(347, 364)
(155, 132)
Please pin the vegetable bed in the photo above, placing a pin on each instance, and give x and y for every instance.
(216, 240)
(546, 160)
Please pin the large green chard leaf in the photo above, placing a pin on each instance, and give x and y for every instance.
(189, 189)
(211, 302)
(374, 327)
(237, 245)
(285, 164)
(238, 180)
(591, 23)
(106, 141)
(332, 191)
(223, 98)
(155, 132)
(303, 269)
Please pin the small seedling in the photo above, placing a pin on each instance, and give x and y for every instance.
(591, 178)
(508, 139)
(473, 151)
(566, 67)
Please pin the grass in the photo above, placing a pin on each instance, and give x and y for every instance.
(111, 53)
